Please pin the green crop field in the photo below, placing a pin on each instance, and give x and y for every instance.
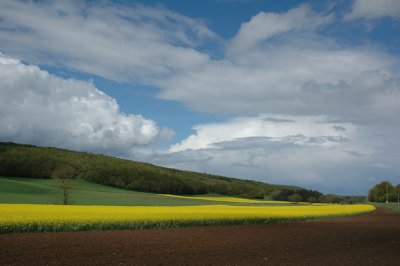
(45, 191)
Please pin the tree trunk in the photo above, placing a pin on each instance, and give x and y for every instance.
(65, 197)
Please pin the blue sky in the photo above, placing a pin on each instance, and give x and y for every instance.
(287, 92)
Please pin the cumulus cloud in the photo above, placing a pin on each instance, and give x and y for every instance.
(39, 108)
(372, 9)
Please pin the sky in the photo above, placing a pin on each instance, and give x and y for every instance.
(302, 93)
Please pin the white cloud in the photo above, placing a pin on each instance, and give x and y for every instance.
(300, 130)
(264, 26)
(39, 108)
(296, 71)
(276, 63)
(298, 76)
(117, 42)
(372, 9)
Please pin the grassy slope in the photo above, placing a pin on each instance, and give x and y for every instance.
(45, 191)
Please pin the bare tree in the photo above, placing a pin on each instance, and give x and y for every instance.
(295, 198)
(65, 176)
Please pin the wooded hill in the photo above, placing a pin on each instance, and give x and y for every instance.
(17, 160)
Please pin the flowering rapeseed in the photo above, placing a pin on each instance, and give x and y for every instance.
(35, 217)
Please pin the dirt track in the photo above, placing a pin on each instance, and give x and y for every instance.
(372, 239)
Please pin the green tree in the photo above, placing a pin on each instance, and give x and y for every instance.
(382, 192)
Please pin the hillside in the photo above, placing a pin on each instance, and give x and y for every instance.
(17, 190)
(17, 160)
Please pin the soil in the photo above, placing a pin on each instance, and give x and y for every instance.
(372, 239)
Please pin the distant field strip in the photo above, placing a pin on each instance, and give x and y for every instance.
(228, 199)
(38, 218)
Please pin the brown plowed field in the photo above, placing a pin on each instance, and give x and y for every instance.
(372, 239)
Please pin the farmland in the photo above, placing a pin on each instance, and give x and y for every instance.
(228, 199)
(371, 239)
(98, 207)
(27, 218)
(46, 191)
(255, 231)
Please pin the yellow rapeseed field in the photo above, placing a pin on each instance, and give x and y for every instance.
(228, 199)
(35, 217)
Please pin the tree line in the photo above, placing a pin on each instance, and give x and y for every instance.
(383, 192)
(313, 196)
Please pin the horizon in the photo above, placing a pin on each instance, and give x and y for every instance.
(295, 93)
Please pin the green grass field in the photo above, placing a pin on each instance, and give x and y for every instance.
(45, 191)
(394, 206)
